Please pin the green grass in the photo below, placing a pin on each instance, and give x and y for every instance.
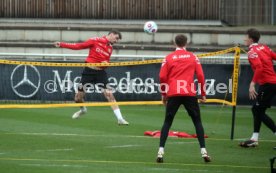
(48, 140)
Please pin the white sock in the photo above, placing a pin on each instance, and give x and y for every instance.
(255, 136)
(118, 114)
(203, 151)
(275, 133)
(83, 109)
(161, 150)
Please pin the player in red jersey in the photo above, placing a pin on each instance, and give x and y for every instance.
(100, 50)
(261, 60)
(178, 88)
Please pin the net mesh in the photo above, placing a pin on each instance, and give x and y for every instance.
(47, 84)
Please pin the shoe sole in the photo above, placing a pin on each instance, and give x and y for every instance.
(77, 117)
(207, 159)
(248, 146)
(159, 160)
(123, 124)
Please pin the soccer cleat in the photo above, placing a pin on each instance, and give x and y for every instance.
(122, 122)
(78, 114)
(206, 158)
(159, 158)
(249, 143)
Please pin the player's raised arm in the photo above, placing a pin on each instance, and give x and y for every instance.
(57, 44)
(75, 46)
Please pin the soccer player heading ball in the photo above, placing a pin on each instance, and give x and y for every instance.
(100, 52)
(178, 68)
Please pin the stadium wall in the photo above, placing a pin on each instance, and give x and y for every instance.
(247, 12)
(234, 12)
(110, 9)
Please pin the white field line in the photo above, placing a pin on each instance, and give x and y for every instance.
(213, 110)
(192, 142)
(55, 150)
(180, 170)
(73, 134)
(68, 162)
(135, 145)
(53, 165)
(115, 136)
(123, 146)
(165, 169)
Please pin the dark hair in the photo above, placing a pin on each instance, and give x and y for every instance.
(254, 34)
(116, 32)
(180, 40)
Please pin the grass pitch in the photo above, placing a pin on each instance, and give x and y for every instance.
(48, 140)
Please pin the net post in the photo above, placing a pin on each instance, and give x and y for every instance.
(233, 122)
(235, 88)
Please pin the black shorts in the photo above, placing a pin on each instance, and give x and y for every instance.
(190, 103)
(93, 77)
(266, 93)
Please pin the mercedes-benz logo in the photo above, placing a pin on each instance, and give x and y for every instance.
(25, 80)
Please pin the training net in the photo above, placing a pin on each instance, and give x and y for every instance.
(26, 84)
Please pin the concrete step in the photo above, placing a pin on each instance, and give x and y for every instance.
(37, 35)
(122, 46)
(93, 22)
(208, 26)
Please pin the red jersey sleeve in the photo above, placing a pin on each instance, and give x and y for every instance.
(256, 65)
(78, 46)
(163, 76)
(200, 77)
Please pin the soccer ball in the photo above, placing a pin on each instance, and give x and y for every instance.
(150, 27)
